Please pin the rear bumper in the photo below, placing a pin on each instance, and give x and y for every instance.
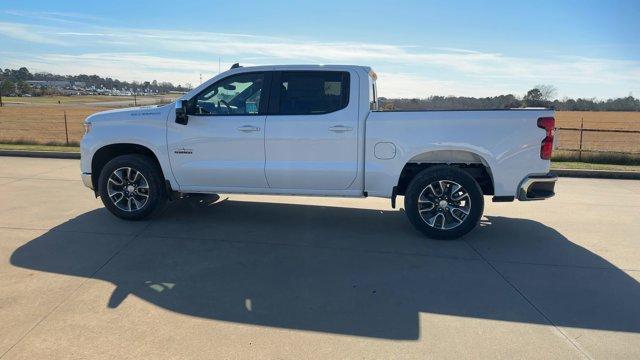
(86, 180)
(537, 187)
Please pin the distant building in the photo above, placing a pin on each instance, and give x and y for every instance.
(61, 84)
(34, 83)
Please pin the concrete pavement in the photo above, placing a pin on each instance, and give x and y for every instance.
(286, 277)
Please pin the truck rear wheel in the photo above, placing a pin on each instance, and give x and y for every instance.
(131, 187)
(444, 202)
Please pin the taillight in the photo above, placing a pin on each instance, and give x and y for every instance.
(546, 148)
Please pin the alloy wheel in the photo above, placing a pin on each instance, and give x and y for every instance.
(128, 189)
(444, 204)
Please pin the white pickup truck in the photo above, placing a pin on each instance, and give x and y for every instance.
(316, 130)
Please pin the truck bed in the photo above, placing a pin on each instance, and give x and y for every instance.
(506, 141)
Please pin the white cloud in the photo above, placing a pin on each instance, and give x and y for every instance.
(467, 62)
(28, 33)
(57, 16)
(412, 85)
(405, 70)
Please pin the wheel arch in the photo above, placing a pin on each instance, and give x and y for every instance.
(104, 154)
(469, 161)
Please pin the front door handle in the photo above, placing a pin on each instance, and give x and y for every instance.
(248, 128)
(340, 128)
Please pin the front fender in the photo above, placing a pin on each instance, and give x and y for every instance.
(149, 133)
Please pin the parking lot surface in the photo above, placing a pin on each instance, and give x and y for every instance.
(303, 278)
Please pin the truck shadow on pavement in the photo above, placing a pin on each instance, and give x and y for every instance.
(339, 270)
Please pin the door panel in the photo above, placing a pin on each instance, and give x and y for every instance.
(311, 151)
(222, 144)
(216, 151)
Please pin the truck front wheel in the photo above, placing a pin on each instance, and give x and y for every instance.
(131, 187)
(444, 202)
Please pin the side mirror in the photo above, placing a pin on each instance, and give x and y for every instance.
(181, 112)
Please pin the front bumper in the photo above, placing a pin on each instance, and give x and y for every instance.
(537, 187)
(86, 180)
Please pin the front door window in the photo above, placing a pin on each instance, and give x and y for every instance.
(235, 95)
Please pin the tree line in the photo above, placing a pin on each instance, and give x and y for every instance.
(14, 82)
(539, 96)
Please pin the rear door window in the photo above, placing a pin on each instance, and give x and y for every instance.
(312, 92)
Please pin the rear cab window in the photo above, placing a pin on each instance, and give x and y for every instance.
(310, 92)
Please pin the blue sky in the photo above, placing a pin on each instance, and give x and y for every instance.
(418, 48)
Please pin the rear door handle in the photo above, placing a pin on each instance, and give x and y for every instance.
(340, 128)
(248, 128)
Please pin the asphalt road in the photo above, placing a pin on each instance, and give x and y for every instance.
(301, 278)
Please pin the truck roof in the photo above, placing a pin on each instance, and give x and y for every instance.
(366, 69)
(305, 67)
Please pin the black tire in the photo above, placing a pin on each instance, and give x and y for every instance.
(450, 177)
(155, 186)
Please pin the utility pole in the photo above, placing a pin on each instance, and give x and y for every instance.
(1, 93)
(200, 78)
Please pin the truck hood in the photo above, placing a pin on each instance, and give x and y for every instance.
(141, 112)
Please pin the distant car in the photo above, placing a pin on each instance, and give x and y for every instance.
(315, 130)
(26, 95)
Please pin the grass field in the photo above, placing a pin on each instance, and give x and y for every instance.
(82, 100)
(599, 141)
(65, 100)
(593, 166)
(44, 123)
(40, 147)
(42, 120)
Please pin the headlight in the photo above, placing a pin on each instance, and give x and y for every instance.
(87, 127)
